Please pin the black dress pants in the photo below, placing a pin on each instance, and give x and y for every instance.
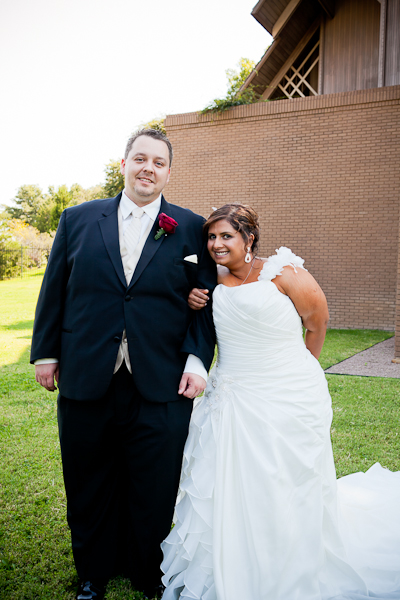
(121, 458)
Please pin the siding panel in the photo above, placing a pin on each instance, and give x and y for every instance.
(352, 46)
(392, 68)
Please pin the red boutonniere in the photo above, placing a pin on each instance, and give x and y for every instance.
(167, 225)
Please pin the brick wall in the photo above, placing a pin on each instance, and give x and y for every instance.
(324, 175)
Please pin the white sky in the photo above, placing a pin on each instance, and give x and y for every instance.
(78, 76)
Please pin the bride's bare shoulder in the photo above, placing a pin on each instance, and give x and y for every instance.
(222, 273)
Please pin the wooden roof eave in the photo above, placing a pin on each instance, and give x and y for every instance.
(261, 14)
(285, 16)
(253, 75)
(265, 11)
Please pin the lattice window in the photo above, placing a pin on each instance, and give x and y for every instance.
(302, 77)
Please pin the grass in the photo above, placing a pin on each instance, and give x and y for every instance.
(35, 555)
(366, 410)
(366, 419)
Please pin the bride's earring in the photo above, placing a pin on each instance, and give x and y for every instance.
(247, 258)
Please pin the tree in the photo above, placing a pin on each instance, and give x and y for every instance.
(157, 124)
(43, 211)
(95, 192)
(42, 219)
(26, 235)
(27, 200)
(37, 245)
(114, 179)
(61, 199)
(234, 96)
(236, 79)
(31, 206)
(5, 234)
(10, 256)
(80, 195)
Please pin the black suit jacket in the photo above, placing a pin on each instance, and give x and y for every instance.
(84, 304)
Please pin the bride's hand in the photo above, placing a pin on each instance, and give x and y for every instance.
(198, 299)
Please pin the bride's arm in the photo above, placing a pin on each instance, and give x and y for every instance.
(310, 303)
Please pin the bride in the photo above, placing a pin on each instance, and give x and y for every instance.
(260, 515)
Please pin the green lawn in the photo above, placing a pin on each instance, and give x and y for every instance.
(35, 556)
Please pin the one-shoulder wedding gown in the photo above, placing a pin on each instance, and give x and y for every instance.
(260, 514)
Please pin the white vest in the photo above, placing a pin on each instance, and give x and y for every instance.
(129, 263)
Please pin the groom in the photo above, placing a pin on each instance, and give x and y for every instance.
(114, 329)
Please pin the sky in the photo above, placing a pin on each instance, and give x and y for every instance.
(79, 76)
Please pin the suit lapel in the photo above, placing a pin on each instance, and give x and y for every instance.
(151, 246)
(109, 230)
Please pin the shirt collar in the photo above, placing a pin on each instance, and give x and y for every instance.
(151, 209)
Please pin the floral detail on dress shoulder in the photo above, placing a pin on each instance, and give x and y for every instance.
(275, 263)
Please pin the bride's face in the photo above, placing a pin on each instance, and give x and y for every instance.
(225, 245)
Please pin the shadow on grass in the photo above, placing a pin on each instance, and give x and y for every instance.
(27, 274)
(23, 361)
(38, 273)
(20, 325)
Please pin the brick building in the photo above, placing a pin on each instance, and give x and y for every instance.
(320, 161)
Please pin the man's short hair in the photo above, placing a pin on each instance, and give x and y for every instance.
(153, 133)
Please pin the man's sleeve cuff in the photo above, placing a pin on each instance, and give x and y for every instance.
(195, 365)
(45, 361)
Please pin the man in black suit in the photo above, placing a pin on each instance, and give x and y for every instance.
(114, 329)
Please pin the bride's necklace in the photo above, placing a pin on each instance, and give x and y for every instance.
(247, 276)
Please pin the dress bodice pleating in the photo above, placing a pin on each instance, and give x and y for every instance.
(257, 326)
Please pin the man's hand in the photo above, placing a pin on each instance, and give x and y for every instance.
(191, 385)
(198, 299)
(45, 375)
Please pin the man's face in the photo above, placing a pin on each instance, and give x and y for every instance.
(146, 169)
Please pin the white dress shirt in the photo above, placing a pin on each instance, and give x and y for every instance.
(151, 210)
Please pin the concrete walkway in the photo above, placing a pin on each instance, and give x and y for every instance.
(373, 362)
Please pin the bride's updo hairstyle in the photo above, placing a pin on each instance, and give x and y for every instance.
(241, 217)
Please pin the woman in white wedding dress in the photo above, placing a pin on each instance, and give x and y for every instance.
(260, 515)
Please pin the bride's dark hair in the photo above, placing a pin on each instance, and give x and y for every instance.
(242, 218)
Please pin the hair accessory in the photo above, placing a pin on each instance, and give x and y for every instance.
(247, 258)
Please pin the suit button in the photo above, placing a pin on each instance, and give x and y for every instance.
(127, 298)
(117, 339)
